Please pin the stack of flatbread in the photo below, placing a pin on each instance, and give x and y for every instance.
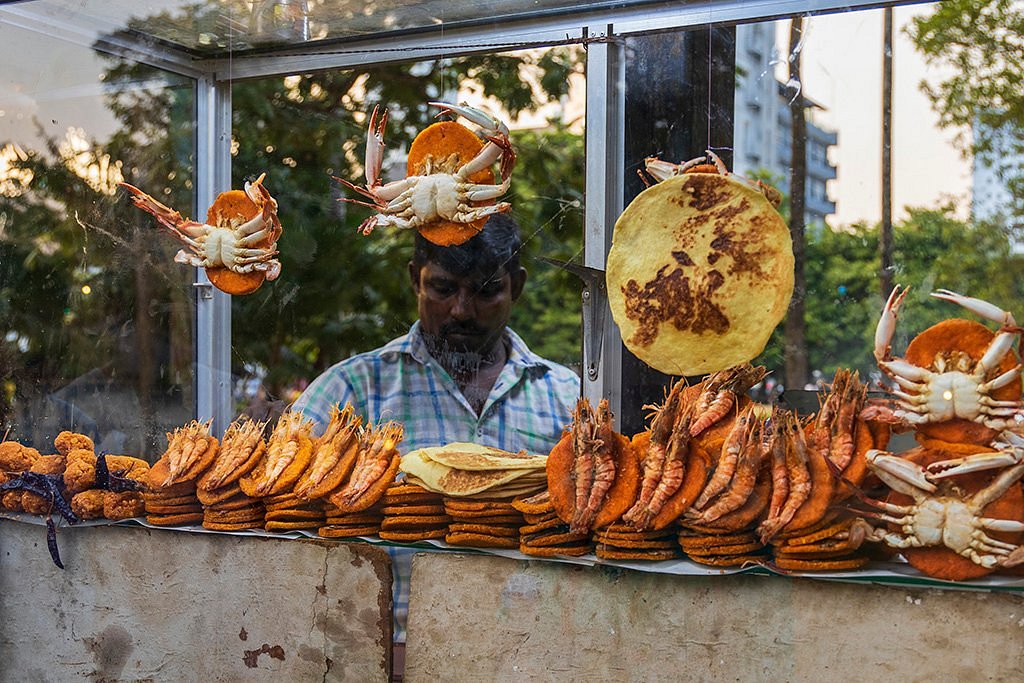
(466, 470)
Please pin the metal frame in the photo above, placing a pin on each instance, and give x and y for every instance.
(213, 307)
(604, 129)
(605, 123)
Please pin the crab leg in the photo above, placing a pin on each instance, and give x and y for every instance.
(996, 351)
(905, 373)
(183, 229)
(475, 193)
(494, 131)
(481, 212)
(978, 462)
(978, 306)
(998, 487)
(663, 170)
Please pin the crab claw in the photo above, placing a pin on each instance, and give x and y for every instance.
(978, 306)
(492, 126)
(256, 192)
(887, 324)
(899, 474)
(717, 161)
(978, 462)
(375, 147)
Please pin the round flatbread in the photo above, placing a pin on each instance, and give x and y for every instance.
(699, 274)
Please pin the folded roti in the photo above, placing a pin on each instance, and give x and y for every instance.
(449, 481)
(699, 274)
(471, 456)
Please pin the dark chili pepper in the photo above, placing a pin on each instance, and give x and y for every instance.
(113, 481)
(51, 541)
(49, 486)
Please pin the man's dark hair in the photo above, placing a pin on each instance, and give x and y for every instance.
(494, 248)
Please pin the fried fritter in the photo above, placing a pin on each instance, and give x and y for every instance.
(11, 500)
(123, 505)
(35, 504)
(69, 441)
(80, 471)
(128, 467)
(16, 458)
(49, 464)
(88, 504)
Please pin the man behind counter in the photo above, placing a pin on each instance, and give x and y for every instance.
(460, 374)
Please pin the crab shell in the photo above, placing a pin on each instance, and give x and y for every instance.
(972, 338)
(938, 561)
(439, 141)
(231, 209)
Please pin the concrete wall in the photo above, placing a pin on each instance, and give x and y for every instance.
(134, 604)
(478, 618)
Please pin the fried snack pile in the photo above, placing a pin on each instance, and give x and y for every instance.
(225, 506)
(716, 478)
(592, 474)
(74, 479)
(171, 496)
(473, 487)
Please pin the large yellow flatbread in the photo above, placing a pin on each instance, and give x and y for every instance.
(699, 274)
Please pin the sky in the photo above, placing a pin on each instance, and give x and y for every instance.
(842, 70)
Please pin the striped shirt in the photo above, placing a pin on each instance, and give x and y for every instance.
(527, 409)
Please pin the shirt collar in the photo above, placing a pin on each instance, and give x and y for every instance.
(413, 345)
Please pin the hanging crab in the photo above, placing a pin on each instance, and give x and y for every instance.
(958, 381)
(236, 245)
(951, 521)
(663, 170)
(449, 179)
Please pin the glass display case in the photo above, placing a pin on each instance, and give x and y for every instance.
(104, 332)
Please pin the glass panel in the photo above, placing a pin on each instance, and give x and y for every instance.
(216, 28)
(955, 170)
(341, 292)
(95, 316)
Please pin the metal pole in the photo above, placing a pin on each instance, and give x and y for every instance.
(213, 307)
(885, 249)
(604, 181)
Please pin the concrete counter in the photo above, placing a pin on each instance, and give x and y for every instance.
(480, 618)
(136, 604)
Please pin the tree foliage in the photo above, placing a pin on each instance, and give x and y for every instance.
(983, 42)
(339, 293)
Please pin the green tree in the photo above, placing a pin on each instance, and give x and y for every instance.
(341, 292)
(983, 42)
(932, 251)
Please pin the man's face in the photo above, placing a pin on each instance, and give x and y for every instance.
(464, 313)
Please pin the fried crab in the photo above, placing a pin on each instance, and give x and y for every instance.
(449, 188)
(237, 243)
(956, 370)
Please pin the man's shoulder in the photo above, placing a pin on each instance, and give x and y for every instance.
(388, 353)
(564, 382)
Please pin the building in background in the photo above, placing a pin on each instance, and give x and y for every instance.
(762, 139)
(991, 198)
